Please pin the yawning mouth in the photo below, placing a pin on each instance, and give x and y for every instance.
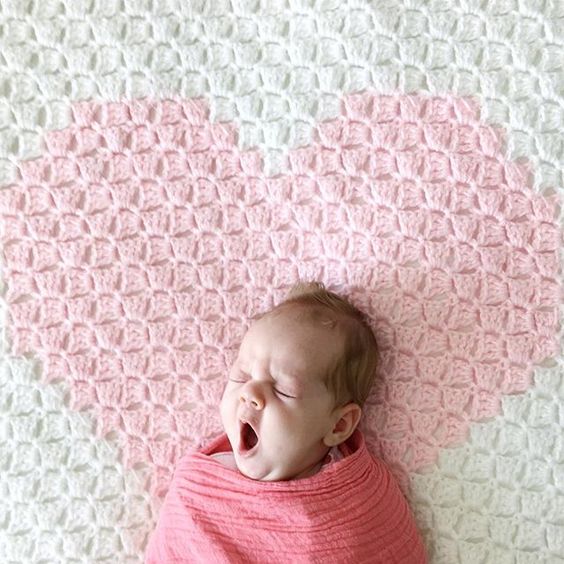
(249, 438)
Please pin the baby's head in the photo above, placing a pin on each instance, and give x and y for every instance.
(299, 382)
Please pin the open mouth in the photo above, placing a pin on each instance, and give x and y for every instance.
(248, 439)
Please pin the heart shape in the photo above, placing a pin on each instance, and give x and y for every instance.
(139, 246)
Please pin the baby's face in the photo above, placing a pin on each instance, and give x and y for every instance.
(276, 385)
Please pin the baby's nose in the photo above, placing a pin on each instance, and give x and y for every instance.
(252, 397)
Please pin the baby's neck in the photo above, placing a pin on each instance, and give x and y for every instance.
(308, 472)
(313, 469)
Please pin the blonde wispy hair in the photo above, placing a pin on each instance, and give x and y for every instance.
(353, 374)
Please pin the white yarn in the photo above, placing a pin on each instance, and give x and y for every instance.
(276, 68)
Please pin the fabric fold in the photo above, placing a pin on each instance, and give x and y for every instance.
(351, 511)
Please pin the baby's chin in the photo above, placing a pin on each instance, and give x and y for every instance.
(257, 471)
(277, 473)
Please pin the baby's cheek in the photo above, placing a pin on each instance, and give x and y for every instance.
(287, 429)
(312, 423)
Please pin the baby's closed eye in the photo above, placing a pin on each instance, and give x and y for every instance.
(283, 394)
(276, 390)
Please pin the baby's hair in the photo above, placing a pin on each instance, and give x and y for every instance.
(353, 374)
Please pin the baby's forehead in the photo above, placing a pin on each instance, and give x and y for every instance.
(306, 330)
(311, 339)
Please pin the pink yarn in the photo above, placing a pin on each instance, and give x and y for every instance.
(136, 249)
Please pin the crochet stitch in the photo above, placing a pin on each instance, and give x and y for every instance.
(138, 246)
(273, 72)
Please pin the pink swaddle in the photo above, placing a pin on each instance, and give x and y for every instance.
(351, 511)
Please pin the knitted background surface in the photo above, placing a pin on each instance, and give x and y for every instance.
(168, 172)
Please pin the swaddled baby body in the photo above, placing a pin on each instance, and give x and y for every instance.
(291, 479)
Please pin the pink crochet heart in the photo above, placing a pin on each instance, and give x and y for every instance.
(138, 247)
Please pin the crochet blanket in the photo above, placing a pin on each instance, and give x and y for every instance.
(351, 511)
(169, 169)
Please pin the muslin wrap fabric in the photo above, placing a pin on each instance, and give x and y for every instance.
(351, 511)
(169, 169)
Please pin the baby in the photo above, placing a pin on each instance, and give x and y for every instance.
(291, 480)
(296, 389)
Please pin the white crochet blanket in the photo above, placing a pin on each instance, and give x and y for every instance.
(171, 168)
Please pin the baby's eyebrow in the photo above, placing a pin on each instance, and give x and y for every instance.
(289, 377)
(292, 381)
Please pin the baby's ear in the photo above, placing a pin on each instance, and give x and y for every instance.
(346, 419)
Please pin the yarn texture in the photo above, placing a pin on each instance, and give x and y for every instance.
(170, 169)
